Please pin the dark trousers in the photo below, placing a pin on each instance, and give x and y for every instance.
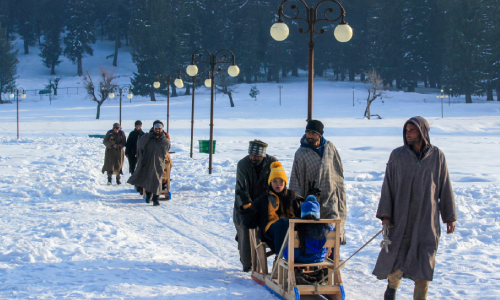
(132, 162)
(110, 174)
(148, 195)
(244, 246)
(276, 234)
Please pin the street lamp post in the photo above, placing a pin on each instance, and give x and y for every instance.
(207, 84)
(442, 96)
(15, 92)
(280, 88)
(343, 33)
(178, 83)
(212, 59)
(127, 88)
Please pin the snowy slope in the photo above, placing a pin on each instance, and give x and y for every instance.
(64, 233)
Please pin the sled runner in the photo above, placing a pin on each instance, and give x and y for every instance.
(282, 279)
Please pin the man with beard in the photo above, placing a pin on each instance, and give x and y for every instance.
(416, 190)
(131, 147)
(151, 151)
(317, 161)
(113, 157)
(253, 172)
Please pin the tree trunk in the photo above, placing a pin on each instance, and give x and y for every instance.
(342, 75)
(367, 111)
(53, 69)
(363, 76)
(248, 79)
(99, 103)
(295, 72)
(352, 74)
(174, 91)
(498, 94)
(152, 95)
(26, 48)
(230, 99)
(117, 45)
(188, 89)
(468, 97)
(79, 63)
(489, 93)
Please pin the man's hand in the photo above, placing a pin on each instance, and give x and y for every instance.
(450, 227)
(115, 146)
(243, 193)
(313, 190)
(386, 221)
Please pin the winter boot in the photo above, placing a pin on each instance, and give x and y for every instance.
(148, 198)
(118, 180)
(390, 294)
(109, 180)
(247, 269)
(156, 202)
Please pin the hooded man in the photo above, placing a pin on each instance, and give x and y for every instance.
(416, 190)
(113, 157)
(131, 146)
(318, 161)
(151, 151)
(254, 169)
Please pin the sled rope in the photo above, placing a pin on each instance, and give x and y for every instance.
(384, 244)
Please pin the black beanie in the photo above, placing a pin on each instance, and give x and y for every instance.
(158, 121)
(316, 126)
(138, 122)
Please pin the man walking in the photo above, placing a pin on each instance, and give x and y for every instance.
(416, 190)
(318, 161)
(113, 157)
(131, 146)
(253, 171)
(151, 151)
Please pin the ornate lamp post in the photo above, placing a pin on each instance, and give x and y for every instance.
(178, 83)
(442, 96)
(120, 91)
(208, 85)
(343, 33)
(15, 92)
(212, 59)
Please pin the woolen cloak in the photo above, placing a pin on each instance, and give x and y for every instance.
(151, 154)
(328, 172)
(416, 190)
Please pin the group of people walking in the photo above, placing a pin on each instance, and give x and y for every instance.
(416, 191)
(148, 157)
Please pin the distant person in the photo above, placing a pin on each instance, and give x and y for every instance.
(151, 149)
(416, 190)
(114, 141)
(254, 169)
(271, 211)
(131, 147)
(318, 161)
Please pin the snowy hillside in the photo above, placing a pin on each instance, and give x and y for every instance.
(65, 234)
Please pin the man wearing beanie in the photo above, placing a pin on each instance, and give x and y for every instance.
(131, 147)
(253, 169)
(318, 161)
(415, 193)
(113, 157)
(152, 149)
(271, 211)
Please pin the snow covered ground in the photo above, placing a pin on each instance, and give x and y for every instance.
(65, 233)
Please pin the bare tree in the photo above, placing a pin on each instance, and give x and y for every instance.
(101, 93)
(223, 86)
(375, 91)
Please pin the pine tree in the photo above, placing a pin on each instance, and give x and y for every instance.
(491, 12)
(79, 32)
(464, 59)
(52, 26)
(154, 40)
(8, 63)
(27, 9)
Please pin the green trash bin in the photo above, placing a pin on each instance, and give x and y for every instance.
(203, 145)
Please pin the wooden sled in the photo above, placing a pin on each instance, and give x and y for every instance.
(281, 281)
